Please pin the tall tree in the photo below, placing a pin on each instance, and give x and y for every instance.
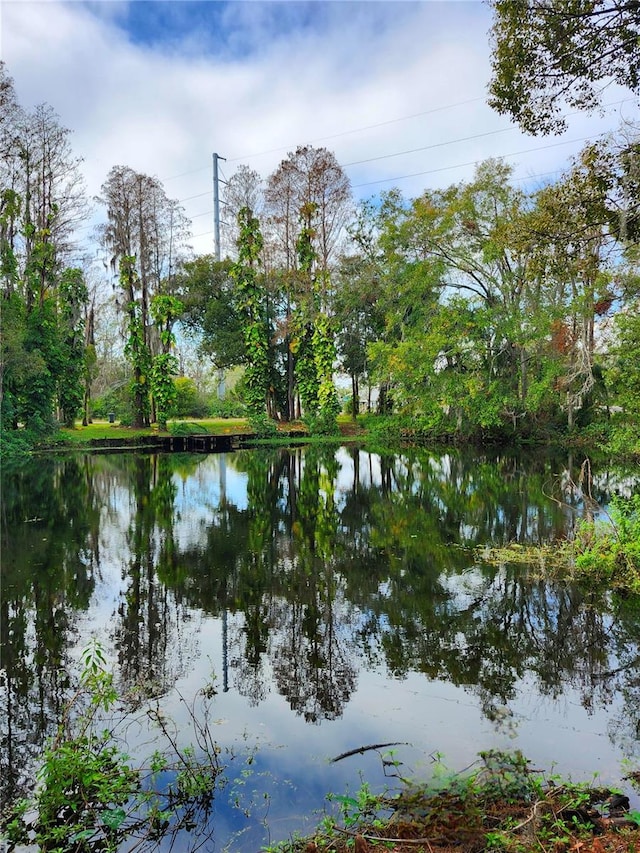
(251, 295)
(572, 259)
(457, 241)
(145, 235)
(308, 205)
(42, 200)
(165, 311)
(212, 310)
(552, 53)
(244, 189)
(73, 298)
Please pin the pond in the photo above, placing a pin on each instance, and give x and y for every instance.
(335, 598)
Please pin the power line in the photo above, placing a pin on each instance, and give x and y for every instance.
(473, 162)
(428, 147)
(337, 135)
(463, 165)
(359, 129)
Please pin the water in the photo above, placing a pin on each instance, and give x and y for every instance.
(335, 598)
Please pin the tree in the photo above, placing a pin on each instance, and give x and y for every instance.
(145, 235)
(548, 53)
(42, 199)
(243, 189)
(212, 310)
(457, 242)
(136, 349)
(573, 259)
(251, 297)
(358, 317)
(307, 205)
(71, 391)
(165, 310)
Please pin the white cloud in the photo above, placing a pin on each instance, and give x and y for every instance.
(245, 78)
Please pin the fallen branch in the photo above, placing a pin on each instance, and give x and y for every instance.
(363, 749)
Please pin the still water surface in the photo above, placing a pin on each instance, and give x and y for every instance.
(337, 598)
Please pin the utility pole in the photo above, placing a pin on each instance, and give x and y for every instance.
(216, 206)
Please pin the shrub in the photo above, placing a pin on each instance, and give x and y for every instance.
(611, 551)
(229, 407)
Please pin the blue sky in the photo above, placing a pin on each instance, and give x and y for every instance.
(226, 29)
(395, 89)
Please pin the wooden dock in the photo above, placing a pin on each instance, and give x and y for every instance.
(173, 443)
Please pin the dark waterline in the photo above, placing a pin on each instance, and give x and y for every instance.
(337, 598)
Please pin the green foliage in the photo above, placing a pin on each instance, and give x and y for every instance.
(73, 296)
(185, 428)
(90, 796)
(164, 368)
(306, 371)
(46, 357)
(324, 355)
(189, 402)
(262, 426)
(610, 551)
(165, 310)
(116, 400)
(136, 349)
(231, 406)
(623, 369)
(548, 56)
(252, 300)
(213, 310)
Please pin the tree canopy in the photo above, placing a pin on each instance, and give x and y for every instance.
(549, 54)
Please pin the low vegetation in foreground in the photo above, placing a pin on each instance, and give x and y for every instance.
(499, 804)
(91, 796)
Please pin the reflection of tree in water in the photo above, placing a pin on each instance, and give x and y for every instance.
(152, 636)
(48, 576)
(287, 586)
(623, 676)
(328, 565)
(396, 549)
(312, 657)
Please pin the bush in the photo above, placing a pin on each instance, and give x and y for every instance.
(229, 407)
(116, 400)
(322, 425)
(182, 428)
(611, 551)
(190, 403)
(263, 426)
(16, 444)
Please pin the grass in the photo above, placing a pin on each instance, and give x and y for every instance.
(101, 429)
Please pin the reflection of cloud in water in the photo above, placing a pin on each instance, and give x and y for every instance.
(341, 624)
(198, 497)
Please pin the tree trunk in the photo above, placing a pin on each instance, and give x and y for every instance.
(355, 396)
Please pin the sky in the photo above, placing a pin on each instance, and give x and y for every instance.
(397, 90)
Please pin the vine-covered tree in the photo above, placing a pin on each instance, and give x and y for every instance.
(308, 199)
(244, 189)
(165, 311)
(145, 235)
(42, 200)
(252, 303)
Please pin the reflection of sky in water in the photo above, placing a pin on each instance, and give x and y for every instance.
(292, 771)
(432, 716)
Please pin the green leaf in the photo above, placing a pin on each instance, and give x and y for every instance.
(113, 818)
